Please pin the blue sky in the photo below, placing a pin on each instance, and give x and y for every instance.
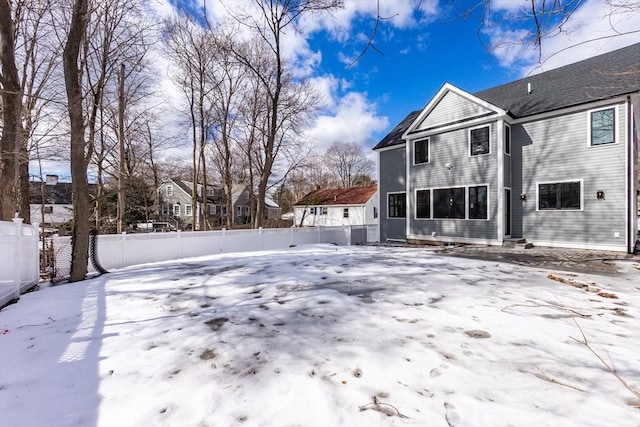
(423, 47)
(430, 48)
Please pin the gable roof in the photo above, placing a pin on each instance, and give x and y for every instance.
(339, 196)
(601, 77)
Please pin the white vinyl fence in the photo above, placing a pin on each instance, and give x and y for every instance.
(117, 251)
(19, 258)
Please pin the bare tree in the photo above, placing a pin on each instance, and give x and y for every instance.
(11, 114)
(287, 101)
(80, 151)
(348, 161)
(190, 48)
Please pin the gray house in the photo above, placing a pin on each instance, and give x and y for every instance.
(551, 158)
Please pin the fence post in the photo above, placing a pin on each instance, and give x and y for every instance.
(123, 248)
(178, 241)
(293, 237)
(35, 251)
(260, 238)
(318, 235)
(224, 239)
(17, 271)
(348, 235)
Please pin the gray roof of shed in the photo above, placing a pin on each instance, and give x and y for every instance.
(601, 77)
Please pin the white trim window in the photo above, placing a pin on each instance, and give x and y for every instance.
(176, 210)
(212, 209)
(323, 210)
(396, 205)
(602, 126)
(188, 210)
(169, 190)
(507, 139)
(421, 151)
(480, 140)
(562, 195)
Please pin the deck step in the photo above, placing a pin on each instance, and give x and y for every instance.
(512, 243)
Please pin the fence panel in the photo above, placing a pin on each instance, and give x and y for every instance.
(19, 263)
(117, 251)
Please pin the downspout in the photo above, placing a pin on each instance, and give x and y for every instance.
(632, 200)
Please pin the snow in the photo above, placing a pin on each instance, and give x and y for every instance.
(322, 335)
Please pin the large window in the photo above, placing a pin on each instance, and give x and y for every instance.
(421, 151)
(559, 195)
(479, 141)
(423, 204)
(397, 205)
(478, 202)
(448, 203)
(176, 210)
(187, 210)
(602, 126)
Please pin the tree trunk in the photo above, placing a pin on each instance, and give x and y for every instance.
(11, 116)
(80, 185)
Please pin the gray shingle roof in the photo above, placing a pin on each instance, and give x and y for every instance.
(602, 77)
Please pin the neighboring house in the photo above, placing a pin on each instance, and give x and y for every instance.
(55, 209)
(551, 158)
(335, 207)
(176, 204)
(242, 205)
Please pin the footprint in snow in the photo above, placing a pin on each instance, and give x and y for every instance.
(451, 415)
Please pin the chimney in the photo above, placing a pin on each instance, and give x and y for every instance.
(529, 88)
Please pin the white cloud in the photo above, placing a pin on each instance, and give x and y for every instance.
(352, 119)
(596, 27)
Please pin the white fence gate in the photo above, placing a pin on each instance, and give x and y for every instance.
(19, 258)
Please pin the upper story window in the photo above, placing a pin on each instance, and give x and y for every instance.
(323, 210)
(421, 151)
(507, 139)
(47, 209)
(169, 190)
(210, 192)
(397, 206)
(479, 141)
(560, 195)
(345, 213)
(423, 204)
(375, 212)
(602, 126)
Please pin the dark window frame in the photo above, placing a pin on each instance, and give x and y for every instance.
(560, 196)
(397, 208)
(449, 203)
(423, 151)
(472, 142)
(478, 209)
(609, 130)
(425, 205)
(507, 139)
(345, 212)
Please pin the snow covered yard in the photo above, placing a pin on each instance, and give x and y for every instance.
(325, 336)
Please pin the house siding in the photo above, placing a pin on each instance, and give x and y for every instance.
(556, 150)
(453, 147)
(452, 108)
(393, 180)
